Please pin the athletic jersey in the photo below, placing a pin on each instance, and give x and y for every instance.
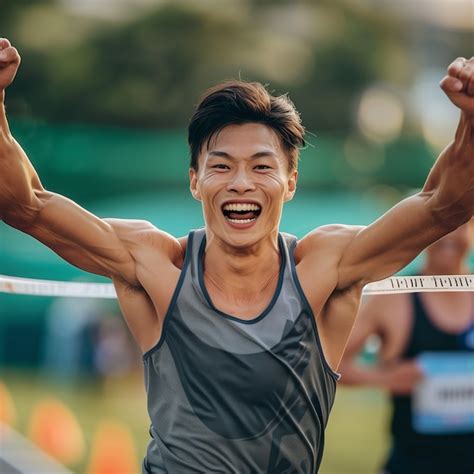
(435, 453)
(227, 395)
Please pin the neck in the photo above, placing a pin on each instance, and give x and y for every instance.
(242, 270)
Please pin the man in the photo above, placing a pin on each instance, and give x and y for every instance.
(425, 325)
(241, 327)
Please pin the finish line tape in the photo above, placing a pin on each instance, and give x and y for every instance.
(401, 284)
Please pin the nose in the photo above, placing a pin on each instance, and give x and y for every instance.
(240, 182)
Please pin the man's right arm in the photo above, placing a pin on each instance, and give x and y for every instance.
(96, 245)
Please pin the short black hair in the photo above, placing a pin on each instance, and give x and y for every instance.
(237, 102)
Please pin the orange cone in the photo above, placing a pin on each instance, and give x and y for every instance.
(7, 407)
(54, 429)
(113, 450)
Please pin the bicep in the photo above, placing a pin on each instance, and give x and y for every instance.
(391, 242)
(78, 236)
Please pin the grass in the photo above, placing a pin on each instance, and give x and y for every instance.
(356, 438)
(357, 435)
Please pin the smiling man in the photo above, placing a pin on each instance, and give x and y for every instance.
(241, 327)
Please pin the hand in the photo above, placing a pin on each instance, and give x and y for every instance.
(401, 378)
(9, 63)
(459, 84)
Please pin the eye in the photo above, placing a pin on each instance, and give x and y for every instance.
(220, 166)
(262, 167)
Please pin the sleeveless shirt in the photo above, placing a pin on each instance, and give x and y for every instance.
(457, 449)
(227, 395)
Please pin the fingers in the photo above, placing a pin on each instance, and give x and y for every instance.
(451, 84)
(9, 63)
(462, 69)
(470, 85)
(4, 43)
(455, 68)
(9, 55)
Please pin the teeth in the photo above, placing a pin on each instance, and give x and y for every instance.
(241, 221)
(241, 207)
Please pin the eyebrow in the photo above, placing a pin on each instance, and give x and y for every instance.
(259, 154)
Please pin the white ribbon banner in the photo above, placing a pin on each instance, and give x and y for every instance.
(401, 284)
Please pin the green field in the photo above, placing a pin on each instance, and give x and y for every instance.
(355, 438)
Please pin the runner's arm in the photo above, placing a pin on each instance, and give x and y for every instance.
(96, 245)
(445, 203)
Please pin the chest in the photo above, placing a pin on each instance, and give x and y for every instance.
(223, 365)
(240, 305)
(432, 322)
(449, 312)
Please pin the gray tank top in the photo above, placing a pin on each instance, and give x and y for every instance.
(227, 395)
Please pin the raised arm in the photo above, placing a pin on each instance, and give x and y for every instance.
(445, 203)
(96, 245)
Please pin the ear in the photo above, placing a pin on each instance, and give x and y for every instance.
(193, 184)
(292, 180)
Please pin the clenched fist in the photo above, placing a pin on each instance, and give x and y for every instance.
(458, 84)
(9, 63)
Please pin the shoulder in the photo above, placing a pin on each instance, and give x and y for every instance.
(340, 234)
(331, 239)
(140, 235)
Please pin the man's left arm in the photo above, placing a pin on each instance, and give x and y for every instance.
(445, 202)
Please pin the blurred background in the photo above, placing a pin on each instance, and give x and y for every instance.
(101, 105)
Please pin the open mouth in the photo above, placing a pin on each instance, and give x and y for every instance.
(241, 213)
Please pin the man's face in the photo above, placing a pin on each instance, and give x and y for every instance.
(242, 182)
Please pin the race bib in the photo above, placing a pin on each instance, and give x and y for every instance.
(443, 402)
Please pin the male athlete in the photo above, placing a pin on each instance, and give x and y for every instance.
(241, 327)
(427, 438)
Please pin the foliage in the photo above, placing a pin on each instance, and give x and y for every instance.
(149, 70)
